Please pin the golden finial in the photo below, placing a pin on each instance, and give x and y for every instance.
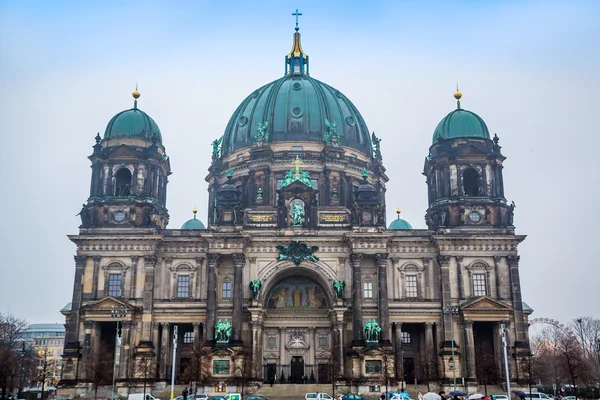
(195, 211)
(398, 212)
(458, 94)
(136, 94)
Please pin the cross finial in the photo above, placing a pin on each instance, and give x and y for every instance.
(297, 163)
(297, 14)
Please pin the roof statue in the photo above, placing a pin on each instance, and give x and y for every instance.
(376, 146)
(216, 147)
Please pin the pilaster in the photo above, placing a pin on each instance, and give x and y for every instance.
(384, 315)
(211, 301)
(239, 260)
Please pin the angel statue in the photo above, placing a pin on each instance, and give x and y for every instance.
(216, 147)
(330, 135)
(376, 145)
(297, 214)
(262, 134)
(255, 286)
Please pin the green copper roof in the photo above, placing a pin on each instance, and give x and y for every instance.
(193, 223)
(295, 109)
(132, 123)
(461, 124)
(399, 225)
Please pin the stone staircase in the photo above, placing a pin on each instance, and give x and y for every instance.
(283, 390)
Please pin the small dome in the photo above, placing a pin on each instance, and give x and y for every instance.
(461, 124)
(399, 224)
(193, 223)
(133, 123)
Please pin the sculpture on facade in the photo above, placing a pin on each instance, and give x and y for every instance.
(296, 213)
(262, 134)
(297, 174)
(297, 252)
(330, 135)
(216, 144)
(376, 146)
(510, 213)
(223, 331)
(339, 287)
(372, 331)
(255, 286)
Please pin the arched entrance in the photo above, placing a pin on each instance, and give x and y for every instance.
(297, 338)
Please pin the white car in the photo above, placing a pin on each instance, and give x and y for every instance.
(317, 396)
(400, 397)
(537, 396)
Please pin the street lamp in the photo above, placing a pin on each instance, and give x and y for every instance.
(117, 313)
(452, 311)
(505, 346)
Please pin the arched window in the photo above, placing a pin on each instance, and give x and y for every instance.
(123, 182)
(471, 182)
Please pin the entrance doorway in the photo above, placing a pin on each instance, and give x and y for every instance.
(323, 373)
(296, 369)
(271, 370)
(409, 369)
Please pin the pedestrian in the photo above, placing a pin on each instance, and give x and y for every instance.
(382, 397)
(185, 393)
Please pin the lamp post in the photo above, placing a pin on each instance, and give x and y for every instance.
(451, 311)
(505, 346)
(117, 313)
(174, 360)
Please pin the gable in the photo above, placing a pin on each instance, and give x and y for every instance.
(471, 150)
(107, 304)
(122, 151)
(485, 303)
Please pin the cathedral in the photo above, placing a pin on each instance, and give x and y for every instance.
(296, 275)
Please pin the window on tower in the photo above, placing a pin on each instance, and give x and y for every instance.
(471, 182)
(226, 290)
(123, 182)
(114, 285)
(368, 290)
(183, 286)
(411, 286)
(479, 285)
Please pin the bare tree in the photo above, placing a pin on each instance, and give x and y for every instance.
(487, 371)
(244, 372)
(587, 331)
(198, 370)
(430, 369)
(11, 351)
(145, 369)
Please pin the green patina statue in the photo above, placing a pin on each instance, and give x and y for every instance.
(372, 331)
(262, 134)
(259, 193)
(255, 286)
(339, 287)
(302, 177)
(297, 252)
(216, 144)
(376, 146)
(330, 135)
(223, 331)
(297, 213)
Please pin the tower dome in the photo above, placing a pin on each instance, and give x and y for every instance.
(399, 224)
(296, 108)
(133, 123)
(193, 223)
(461, 123)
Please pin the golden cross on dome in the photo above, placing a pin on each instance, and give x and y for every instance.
(297, 163)
(297, 14)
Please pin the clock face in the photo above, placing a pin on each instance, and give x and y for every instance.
(119, 216)
(474, 216)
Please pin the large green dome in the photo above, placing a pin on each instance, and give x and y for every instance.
(461, 123)
(296, 108)
(133, 123)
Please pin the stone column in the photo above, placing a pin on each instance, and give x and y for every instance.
(97, 260)
(72, 334)
(164, 350)
(87, 347)
(340, 327)
(282, 360)
(196, 326)
(125, 349)
(211, 301)
(239, 259)
(429, 348)
(199, 279)
(471, 371)
(148, 298)
(515, 284)
(357, 294)
(382, 298)
(312, 356)
(459, 278)
(134, 264)
(398, 361)
(444, 262)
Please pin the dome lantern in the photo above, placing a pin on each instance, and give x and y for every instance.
(296, 62)
(193, 223)
(399, 224)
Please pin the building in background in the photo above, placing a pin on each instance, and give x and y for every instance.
(47, 341)
(296, 272)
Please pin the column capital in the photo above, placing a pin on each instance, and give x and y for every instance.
(80, 261)
(429, 325)
(444, 261)
(135, 259)
(497, 259)
(513, 261)
(282, 329)
(213, 259)
(468, 324)
(239, 259)
(165, 324)
(196, 325)
(356, 259)
(97, 259)
(88, 324)
(382, 259)
(459, 259)
(150, 261)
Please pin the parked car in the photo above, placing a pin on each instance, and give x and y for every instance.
(255, 398)
(233, 396)
(537, 396)
(140, 396)
(499, 397)
(569, 398)
(317, 396)
(216, 398)
(401, 396)
(200, 396)
(353, 396)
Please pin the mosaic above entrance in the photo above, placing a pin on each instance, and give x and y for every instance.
(296, 293)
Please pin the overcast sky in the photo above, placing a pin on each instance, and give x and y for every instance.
(530, 69)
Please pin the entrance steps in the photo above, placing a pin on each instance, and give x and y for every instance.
(291, 390)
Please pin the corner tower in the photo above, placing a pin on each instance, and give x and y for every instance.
(129, 174)
(464, 174)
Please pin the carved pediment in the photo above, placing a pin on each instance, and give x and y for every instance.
(271, 356)
(471, 150)
(106, 304)
(485, 304)
(122, 151)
